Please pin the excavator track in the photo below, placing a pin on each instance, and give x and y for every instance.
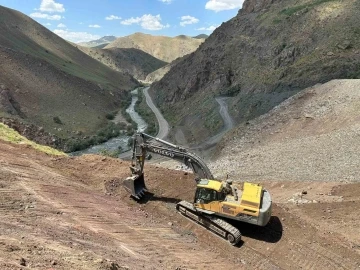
(212, 223)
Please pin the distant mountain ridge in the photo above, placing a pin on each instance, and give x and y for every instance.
(201, 36)
(164, 48)
(132, 61)
(99, 42)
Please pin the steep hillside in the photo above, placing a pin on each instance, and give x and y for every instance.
(99, 42)
(204, 36)
(132, 61)
(312, 136)
(164, 48)
(46, 81)
(158, 74)
(268, 52)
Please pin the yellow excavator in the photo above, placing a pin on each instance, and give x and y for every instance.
(215, 201)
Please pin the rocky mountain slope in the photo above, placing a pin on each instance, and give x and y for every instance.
(132, 61)
(98, 42)
(158, 74)
(268, 52)
(46, 81)
(164, 48)
(312, 136)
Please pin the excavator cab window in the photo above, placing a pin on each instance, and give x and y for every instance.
(205, 195)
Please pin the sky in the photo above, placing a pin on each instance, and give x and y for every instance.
(85, 20)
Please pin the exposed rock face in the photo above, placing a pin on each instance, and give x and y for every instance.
(35, 133)
(268, 52)
(5, 102)
(255, 5)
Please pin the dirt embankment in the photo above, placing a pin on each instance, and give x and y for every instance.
(72, 213)
(312, 136)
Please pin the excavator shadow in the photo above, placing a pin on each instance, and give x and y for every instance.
(148, 196)
(270, 233)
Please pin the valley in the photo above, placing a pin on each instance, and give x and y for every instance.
(271, 98)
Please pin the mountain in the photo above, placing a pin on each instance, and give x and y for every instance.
(268, 52)
(132, 61)
(164, 48)
(201, 36)
(47, 82)
(158, 74)
(99, 42)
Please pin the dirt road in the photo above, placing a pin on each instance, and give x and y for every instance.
(72, 213)
(163, 124)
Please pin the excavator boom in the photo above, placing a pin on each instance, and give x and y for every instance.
(144, 144)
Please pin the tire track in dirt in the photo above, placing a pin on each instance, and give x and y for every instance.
(73, 211)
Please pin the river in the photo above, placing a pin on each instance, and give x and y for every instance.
(122, 140)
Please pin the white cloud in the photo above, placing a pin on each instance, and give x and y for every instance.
(219, 5)
(51, 6)
(94, 26)
(147, 21)
(112, 17)
(76, 36)
(188, 20)
(166, 1)
(45, 16)
(61, 25)
(47, 24)
(210, 28)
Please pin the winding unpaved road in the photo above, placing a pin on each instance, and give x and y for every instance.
(163, 124)
(228, 124)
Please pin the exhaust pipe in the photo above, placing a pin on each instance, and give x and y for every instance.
(135, 185)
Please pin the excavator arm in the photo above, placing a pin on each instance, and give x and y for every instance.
(143, 144)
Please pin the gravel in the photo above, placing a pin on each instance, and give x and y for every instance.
(312, 136)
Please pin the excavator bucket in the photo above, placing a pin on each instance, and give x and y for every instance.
(135, 185)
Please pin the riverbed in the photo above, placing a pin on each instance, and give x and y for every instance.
(122, 140)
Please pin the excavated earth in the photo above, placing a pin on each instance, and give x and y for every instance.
(72, 213)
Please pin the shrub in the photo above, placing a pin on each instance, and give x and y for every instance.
(57, 120)
(110, 116)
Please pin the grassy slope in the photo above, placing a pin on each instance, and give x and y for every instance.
(129, 60)
(47, 77)
(10, 135)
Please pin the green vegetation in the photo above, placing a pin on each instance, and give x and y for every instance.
(291, 10)
(111, 130)
(147, 114)
(111, 116)
(111, 153)
(231, 91)
(124, 105)
(10, 135)
(57, 120)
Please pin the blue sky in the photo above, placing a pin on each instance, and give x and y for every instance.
(84, 20)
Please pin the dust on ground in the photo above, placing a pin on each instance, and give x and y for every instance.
(72, 213)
